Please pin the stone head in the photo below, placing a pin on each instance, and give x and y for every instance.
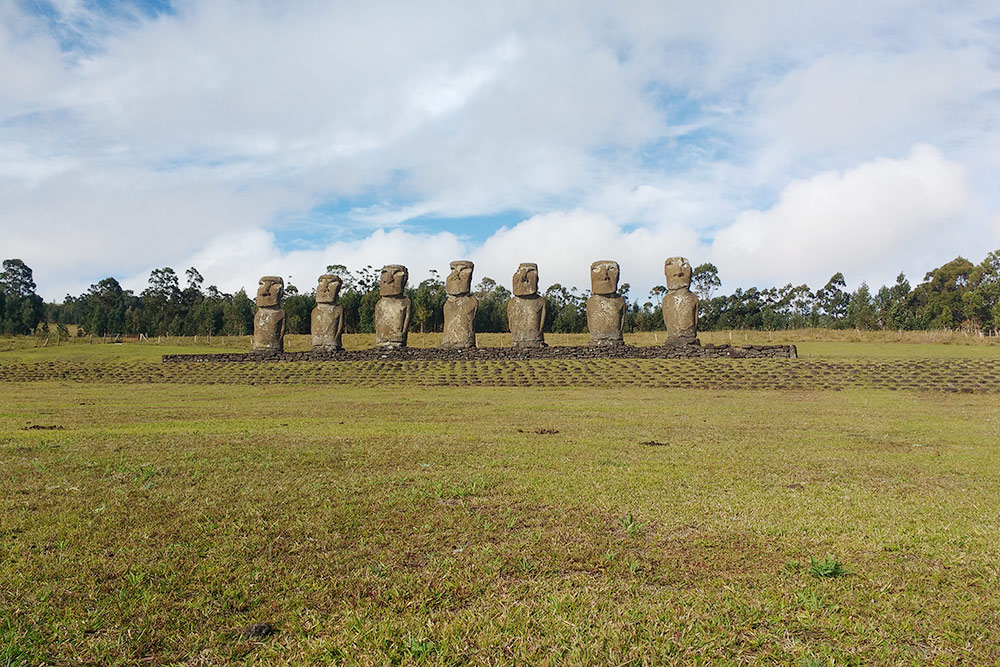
(604, 277)
(393, 280)
(459, 281)
(270, 289)
(328, 288)
(678, 273)
(526, 279)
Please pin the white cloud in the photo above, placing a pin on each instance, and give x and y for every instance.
(235, 261)
(564, 244)
(844, 105)
(868, 222)
(636, 129)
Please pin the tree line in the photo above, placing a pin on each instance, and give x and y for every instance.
(957, 295)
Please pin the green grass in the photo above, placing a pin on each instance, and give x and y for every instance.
(157, 523)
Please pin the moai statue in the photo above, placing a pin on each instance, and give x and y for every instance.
(526, 309)
(460, 308)
(327, 324)
(392, 312)
(680, 305)
(269, 322)
(605, 309)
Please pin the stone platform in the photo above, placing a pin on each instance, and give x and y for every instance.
(505, 353)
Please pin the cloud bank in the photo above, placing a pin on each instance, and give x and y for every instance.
(248, 138)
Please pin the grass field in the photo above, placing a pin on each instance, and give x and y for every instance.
(629, 512)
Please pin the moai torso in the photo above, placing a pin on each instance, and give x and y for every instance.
(459, 322)
(526, 309)
(606, 319)
(327, 326)
(269, 322)
(269, 330)
(460, 308)
(327, 321)
(392, 312)
(680, 305)
(605, 308)
(392, 318)
(680, 314)
(526, 319)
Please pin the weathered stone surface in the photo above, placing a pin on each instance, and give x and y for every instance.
(460, 308)
(327, 321)
(270, 290)
(680, 305)
(605, 308)
(392, 280)
(269, 321)
(327, 326)
(526, 309)
(392, 312)
(328, 288)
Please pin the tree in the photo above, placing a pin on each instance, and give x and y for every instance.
(705, 280)
(860, 309)
(833, 300)
(298, 312)
(104, 306)
(428, 304)
(491, 315)
(161, 310)
(194, 279)
(16, 279)
(237, 315)
(891, 305)
(981, 300)
(21, 310)
(938, 300)
(565, 310)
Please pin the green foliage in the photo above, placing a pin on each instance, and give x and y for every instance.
(298, 313)
(705, 280)
(827, 568)
(21, 310)
(565, 310)
(861, 310)
(491, 316)
(937, 302)
(955, 295)
(630, 524)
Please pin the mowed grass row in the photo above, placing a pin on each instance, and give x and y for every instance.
(935, 374)
(157, 524)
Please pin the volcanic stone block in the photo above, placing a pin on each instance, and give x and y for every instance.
(327, 322)
(526, 309)
(680, 305)
(605, 308)
(392, 312)
(460, 308)
(269, 322)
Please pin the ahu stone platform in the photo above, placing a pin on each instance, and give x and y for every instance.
(504, 353)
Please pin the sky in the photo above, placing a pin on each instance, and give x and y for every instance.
(782, 141)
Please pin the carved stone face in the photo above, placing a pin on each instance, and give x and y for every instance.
(678, 273)
(526, 279)
(604, 277)
(328, 288)
(270, 289)
(393, 280)
(459, 281)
